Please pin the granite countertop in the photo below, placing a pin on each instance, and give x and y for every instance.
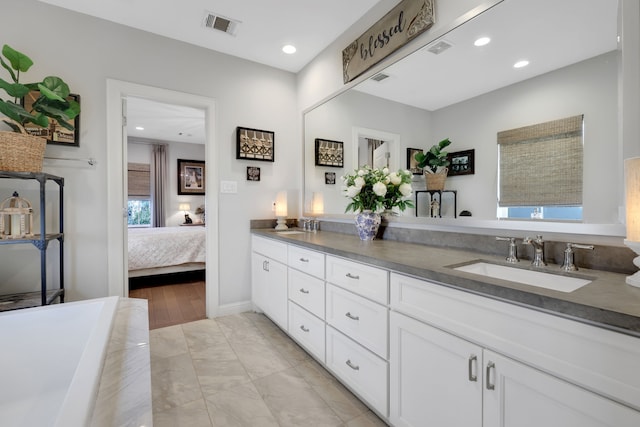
(606, 302)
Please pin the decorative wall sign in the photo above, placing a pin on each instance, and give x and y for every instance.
(394, 30)
(329, 153)
(191, 177)
(254, 144)
(253, 173)
(461, 163)
(330, 178)
(412, 163)
(54, 134)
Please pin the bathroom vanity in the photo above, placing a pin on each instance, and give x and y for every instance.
(424, 343)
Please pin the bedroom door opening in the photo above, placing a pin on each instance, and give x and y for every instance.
(118, 93)
(166, 247)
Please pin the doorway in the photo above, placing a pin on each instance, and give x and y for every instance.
(117, 93)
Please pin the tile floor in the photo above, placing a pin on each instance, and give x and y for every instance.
(242, 370)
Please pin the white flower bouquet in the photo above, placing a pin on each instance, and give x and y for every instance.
(377, 190)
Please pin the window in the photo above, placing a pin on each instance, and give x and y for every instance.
(540, 174)
(139, 192)
(139, 212)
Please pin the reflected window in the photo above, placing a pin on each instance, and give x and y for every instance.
(556, 213)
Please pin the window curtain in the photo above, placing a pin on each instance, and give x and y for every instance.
(138, 181)
(159, 169)
(541, 165)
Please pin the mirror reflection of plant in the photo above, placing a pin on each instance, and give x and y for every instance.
(377, 189)
(433, 159)
(52, 102)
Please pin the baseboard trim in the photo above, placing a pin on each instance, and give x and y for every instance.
(234, 308)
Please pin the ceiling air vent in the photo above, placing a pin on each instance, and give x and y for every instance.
(220, 23)
(380, 77)
(439, 47)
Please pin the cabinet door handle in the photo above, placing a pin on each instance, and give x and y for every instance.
(351, 316)
(352, 366)
(304, 329)
(473, 366)
(304, 291)
(351, 276)
(490, 366)
(304, 260)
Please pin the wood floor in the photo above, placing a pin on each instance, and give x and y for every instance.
(172, 303)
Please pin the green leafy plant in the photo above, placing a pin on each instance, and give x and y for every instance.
(52, 102)
(434, 158)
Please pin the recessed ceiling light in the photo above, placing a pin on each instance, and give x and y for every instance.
(289, 49)
(139, 128)
(482, 41)
(521, 64)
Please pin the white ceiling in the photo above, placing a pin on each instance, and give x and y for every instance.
(550, 33)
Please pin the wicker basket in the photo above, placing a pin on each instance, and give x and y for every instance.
(435, 181)
(21, 152)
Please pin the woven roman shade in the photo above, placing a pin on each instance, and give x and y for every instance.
(139, 180)
(541, 165)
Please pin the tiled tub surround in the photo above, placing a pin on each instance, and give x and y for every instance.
(534, 327)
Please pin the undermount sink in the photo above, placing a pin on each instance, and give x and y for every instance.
(290, 232)
(540, 279)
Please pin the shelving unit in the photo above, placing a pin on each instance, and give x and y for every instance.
(432, 194)
(40, 241)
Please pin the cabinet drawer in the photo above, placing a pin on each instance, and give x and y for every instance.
(307, 329)
(360, 369)
(305, 260)
(269, 248)
(362, 320)
(307, 292)
(370, 282)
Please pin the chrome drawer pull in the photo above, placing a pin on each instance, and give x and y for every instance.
(490, 366)
(304, 329)
(351, 316)
(304, 291)
(352, 366)
(351, 276)
(473, 363)
(304, 260)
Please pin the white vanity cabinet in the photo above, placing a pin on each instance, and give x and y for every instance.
(307, 299)
(449, 364)
(357, 317)
(269, 278)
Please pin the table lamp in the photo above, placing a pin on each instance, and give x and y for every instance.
(281, 210)
(185, 207)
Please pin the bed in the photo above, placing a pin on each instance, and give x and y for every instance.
(165, 250)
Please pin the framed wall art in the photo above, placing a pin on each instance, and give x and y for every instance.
(254, 144)
(461, 163)
(253, 173)
(412, 163)
(54, 134)
(329, 153)
(330, 178)
(191, 177)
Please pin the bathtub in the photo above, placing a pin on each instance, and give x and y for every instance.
(51, 361)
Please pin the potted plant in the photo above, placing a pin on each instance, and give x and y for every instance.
(20, 151)
(373, 191)
(434, 163)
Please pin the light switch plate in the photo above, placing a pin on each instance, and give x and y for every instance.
(229, 187)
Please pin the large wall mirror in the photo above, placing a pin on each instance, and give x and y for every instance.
(451, 88)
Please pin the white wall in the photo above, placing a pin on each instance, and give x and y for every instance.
(142, 153)
(86, 51)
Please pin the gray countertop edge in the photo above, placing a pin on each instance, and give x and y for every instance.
(607, 303)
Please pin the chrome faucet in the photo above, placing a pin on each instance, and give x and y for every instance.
(538, 250)
(513, 254)
(568, 264)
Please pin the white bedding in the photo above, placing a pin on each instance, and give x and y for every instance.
(165, 246)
